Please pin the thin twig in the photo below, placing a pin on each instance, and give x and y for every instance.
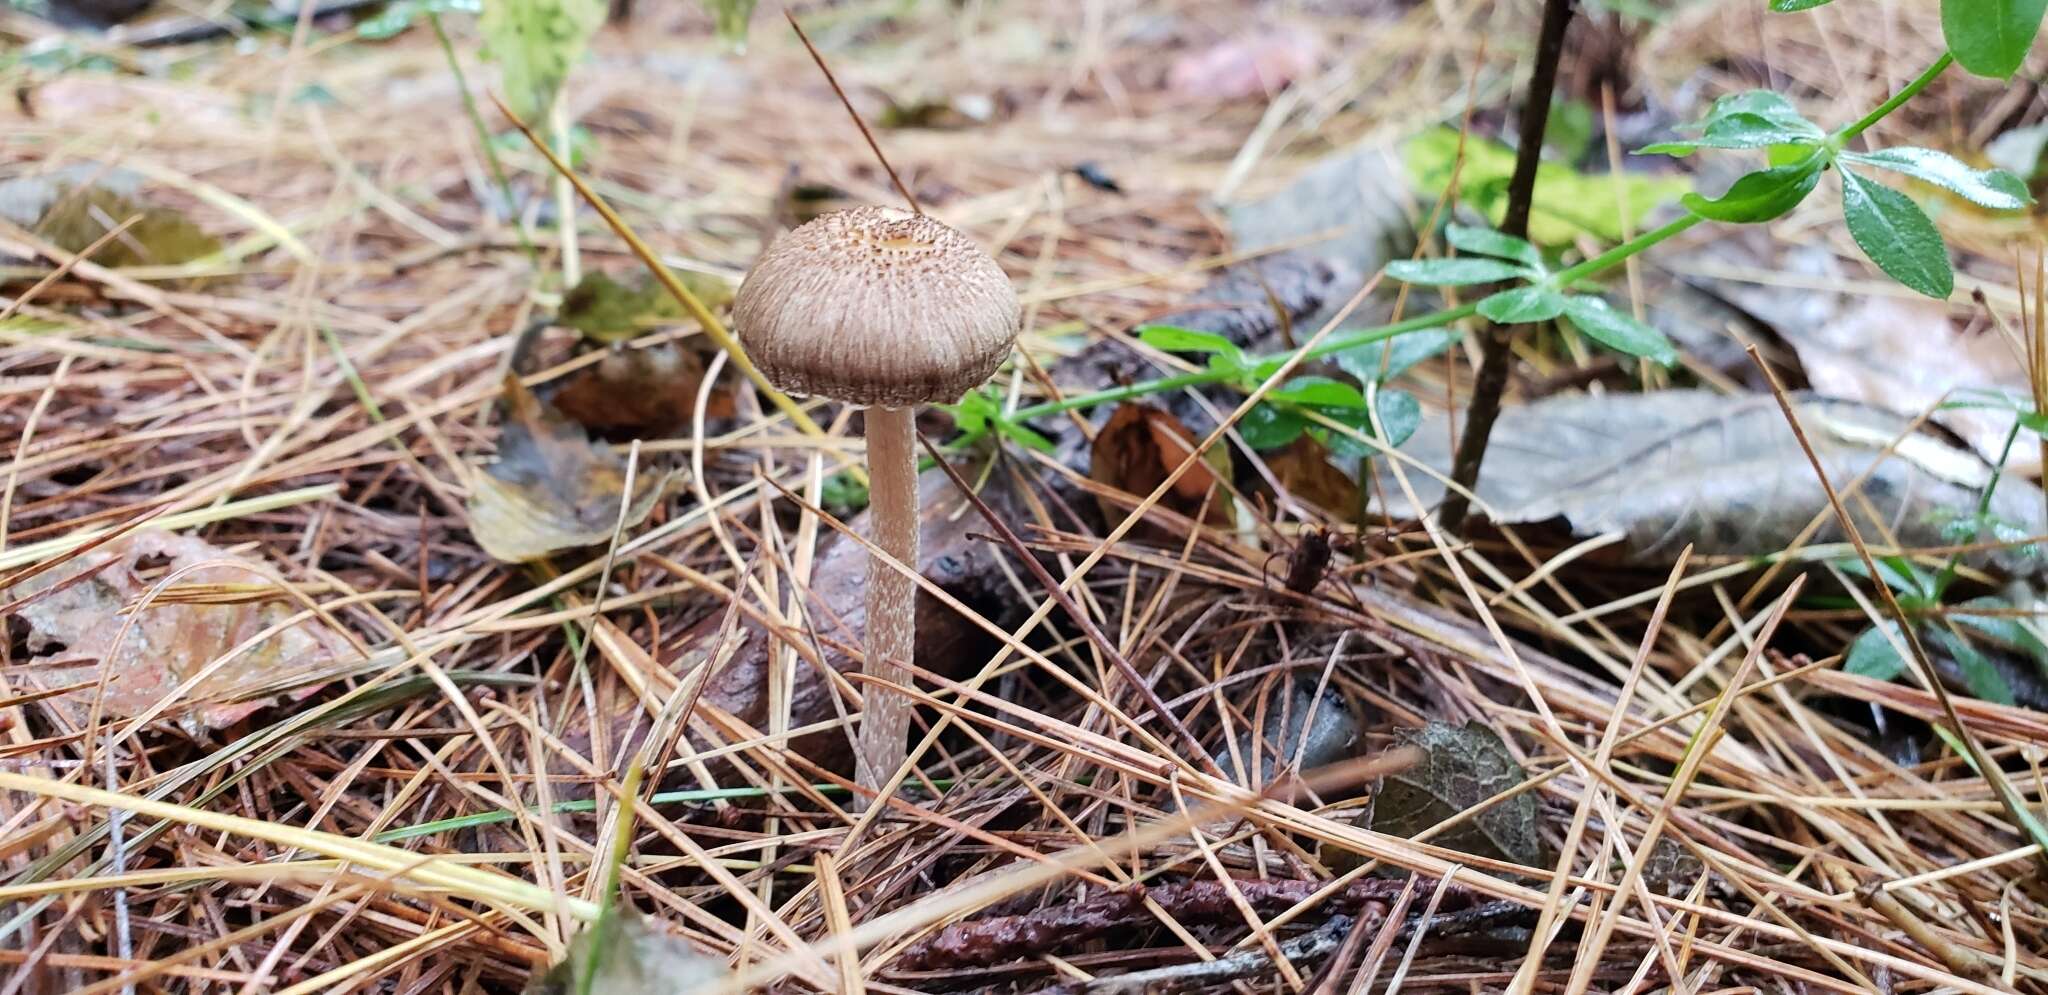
(1495, 356)
(901, 187)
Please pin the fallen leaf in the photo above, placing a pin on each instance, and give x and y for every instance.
(626, 953)
(1140, 445)
(1725, 474)
(1258, 64)
(552, 487)
(609, 311)
(1298, 725)
(1351, 210)
(73, 207)
(1304, 468)
(641, 392)
(1461, 767)
(91, 598)
(1903, 353)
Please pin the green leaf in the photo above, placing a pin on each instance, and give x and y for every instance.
(1399, 413)
(1897, 236)
(2006, 629)
(1523, 305)
(1759, 196)
(1488, 242)
(1992, 188)
(1794, 6)
(1599, 321)
(1872, 655)
(1381, 362)
(1320, 392)
(1751, 120)
(975, 411)
(535, 43)
(1991, 37)
(1268, 427)
(1979, 674)
(1914, 586)
(1167, 338)
(1457, 272)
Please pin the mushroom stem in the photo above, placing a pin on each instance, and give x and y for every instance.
(891, 635)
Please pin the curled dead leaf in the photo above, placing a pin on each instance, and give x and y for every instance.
(249, 649)
(1140, 445)
(1304, 469)
(552, 487)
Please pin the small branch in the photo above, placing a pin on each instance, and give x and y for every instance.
(1495, 358)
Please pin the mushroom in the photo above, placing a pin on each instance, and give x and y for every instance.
(888, 310)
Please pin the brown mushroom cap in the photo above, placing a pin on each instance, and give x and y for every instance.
(876, 306)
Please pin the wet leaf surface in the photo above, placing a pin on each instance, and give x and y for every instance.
(1725, 474)
(552, 487)
(81, 608)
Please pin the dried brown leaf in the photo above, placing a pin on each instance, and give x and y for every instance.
(1305, 470)
(79, 625)
(1140, 445)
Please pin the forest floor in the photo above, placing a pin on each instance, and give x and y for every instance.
(1610, 738)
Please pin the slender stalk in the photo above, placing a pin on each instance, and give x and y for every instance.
(1496, 358)
(890, 638)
